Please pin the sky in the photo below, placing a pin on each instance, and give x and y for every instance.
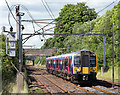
(38, 11)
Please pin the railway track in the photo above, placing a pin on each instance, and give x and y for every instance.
(97, 89)
(57, 85)
(51, 86)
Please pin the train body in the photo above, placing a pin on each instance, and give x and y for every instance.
(80, 65)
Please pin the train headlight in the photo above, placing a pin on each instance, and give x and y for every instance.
(94, 69)
(78, 69)
(75, 69)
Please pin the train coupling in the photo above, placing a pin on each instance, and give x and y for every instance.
(85, 77)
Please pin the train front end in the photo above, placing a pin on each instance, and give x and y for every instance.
(85, 66)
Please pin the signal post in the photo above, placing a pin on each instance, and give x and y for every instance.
(20, 76)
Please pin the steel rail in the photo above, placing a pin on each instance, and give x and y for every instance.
(71, 84)
(97, 88)
(42, 84)
(88, 90)
(116, 83)
(103, 90)
(76, 86)
(58, 86)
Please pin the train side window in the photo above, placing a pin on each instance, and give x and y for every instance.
(66, 62)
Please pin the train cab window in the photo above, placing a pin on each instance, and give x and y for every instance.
(93, 61)
(85, 60)
(77, 61)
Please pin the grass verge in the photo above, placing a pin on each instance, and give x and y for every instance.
(108, 75)
(43, 66)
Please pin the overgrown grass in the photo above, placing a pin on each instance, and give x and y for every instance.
(14, 88)
(108, 75)
(43, 66)
(7, 85)
(35, 89)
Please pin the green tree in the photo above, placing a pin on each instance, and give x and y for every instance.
(8, 72)
(68, 16)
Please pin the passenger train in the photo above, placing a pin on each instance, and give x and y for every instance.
(79, 65)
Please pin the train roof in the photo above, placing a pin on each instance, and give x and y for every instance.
(68, 54)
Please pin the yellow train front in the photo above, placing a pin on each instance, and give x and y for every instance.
(79, 65)
(84, 66)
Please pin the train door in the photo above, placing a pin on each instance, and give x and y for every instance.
(85, 62)
(49, 64)
(56, 64)
(61, 64)
(68, 65)
(52, 63)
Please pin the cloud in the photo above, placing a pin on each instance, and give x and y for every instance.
(38, 11)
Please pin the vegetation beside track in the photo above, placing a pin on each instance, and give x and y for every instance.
(8, 71)
(108, 75)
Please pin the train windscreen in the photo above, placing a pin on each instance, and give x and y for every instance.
(93, 61)
(77, 61)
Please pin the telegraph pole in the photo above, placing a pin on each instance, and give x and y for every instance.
(113, 56)
(17, 9)
(20, 79)
(104, 53)
(19, 32)
(19, 14)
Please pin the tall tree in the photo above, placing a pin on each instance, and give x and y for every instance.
(68, 16)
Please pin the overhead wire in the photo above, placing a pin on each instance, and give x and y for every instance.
(11, 12)
(30, 15)
(33, 21)
(106, 6)
(33, 18)
(49, 9)
(9, 15)
(34, 29)
(46, 9)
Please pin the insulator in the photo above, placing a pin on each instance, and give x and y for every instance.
(22, 27)
(3, 29)
(11, 29)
